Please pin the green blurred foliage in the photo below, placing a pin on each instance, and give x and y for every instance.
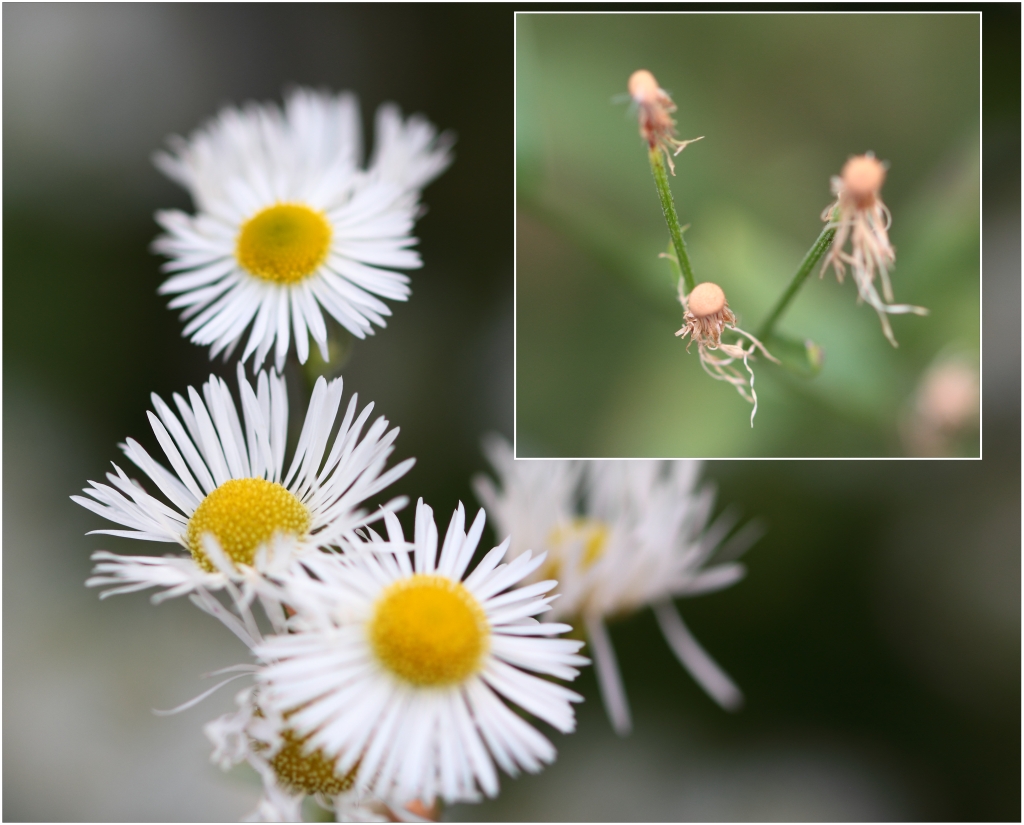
(782, 101)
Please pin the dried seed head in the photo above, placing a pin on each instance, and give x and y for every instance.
(643, 88)
(863, 177)
(706, 315)
(706, 299)
(945, 405)
(948, 395)
(654, 111)
(860, 218)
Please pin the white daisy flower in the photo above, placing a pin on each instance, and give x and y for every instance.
(398, 665)
(632, 534)
(289, 773)
(288, 223)
(537, 495)
(232, 505)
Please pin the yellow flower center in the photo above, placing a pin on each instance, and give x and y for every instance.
(429, 630)
(284, 243)
(592, 534)
(309, 772)
(242, 514)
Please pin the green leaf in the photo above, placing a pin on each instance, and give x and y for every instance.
(673, 261)
(804, 357)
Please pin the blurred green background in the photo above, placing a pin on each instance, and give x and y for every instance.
(876, 637)
(782, 100)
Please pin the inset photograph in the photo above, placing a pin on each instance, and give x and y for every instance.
(748, 235)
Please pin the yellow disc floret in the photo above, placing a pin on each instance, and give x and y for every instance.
(429, 630)
(590, 533)
(242, 514)
(309, 772)
(284, 243)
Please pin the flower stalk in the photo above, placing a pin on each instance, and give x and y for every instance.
(668, 208)
(814, 254)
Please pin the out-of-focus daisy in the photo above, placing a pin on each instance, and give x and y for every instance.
(231, 504)
(860, 217)
(635, 534)
(706, 315)
(399, 665)
(536, 496)
(289, 223)
(654, 111)
(289, 772)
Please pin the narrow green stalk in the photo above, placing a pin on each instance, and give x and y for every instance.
(669, 208)
(810, 260)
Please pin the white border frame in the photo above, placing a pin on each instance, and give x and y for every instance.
(981, 236)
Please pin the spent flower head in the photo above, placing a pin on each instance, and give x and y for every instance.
(944, 406)
(706, 315)
(860, 217)
(654, 110)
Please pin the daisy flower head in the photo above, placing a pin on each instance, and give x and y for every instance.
(860, 217)
(399, 663)
(654, 109)
(634, 534)
(229, 502)
(706, 315)
(289, 223)
(289, 772)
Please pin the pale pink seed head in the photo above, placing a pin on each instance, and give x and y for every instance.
(863, 177)
(706, 299)
(643, 88)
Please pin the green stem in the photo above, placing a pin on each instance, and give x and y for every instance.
(671, 218)
(810, 260)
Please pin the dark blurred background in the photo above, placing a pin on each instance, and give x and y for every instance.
(90, 92)
(782, 100)
(877, 636)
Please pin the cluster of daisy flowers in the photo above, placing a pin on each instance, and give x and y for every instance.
(385, 676)
(384, 670)
(857, 217)
(380, 688)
